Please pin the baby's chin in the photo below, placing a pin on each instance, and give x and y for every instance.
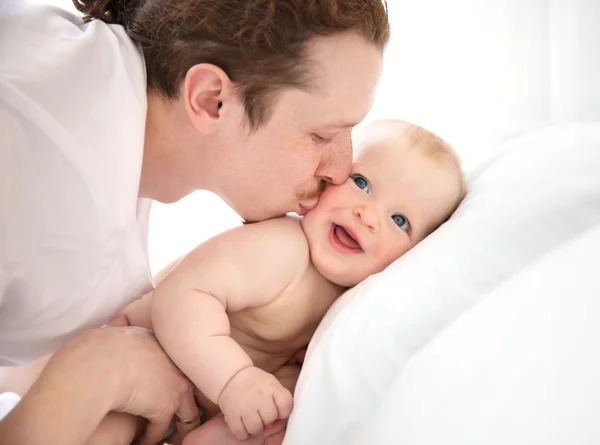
(344, 278)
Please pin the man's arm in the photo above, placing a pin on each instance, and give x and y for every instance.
(59, 408)
(18, 379)
(102, 370)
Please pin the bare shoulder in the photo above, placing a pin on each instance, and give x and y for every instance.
(275, 236)
(279, 242)
(285, 233)
(249, 265)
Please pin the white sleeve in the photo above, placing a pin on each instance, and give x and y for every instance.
(8, 400)
(12, 142)
(72, 125)
(48, 230)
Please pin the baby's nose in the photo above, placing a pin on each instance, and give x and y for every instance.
(368, 218)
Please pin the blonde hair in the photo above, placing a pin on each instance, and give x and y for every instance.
(432, 145)
(420, 139)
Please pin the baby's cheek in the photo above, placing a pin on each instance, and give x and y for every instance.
(390, 251)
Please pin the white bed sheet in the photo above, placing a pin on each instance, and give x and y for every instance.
(520, 367)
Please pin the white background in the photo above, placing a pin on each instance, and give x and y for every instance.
(474, 71)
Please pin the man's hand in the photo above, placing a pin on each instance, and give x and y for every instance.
(151, 386)
(18, 379)
(252, 400)
(118, 369)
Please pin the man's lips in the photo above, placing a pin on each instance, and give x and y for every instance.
(303, 209)
(344, 240)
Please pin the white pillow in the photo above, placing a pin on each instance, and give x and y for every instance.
(534, 194)
(520, 367)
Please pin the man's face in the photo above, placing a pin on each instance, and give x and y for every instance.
(283, 166)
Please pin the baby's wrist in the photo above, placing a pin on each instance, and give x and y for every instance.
(232, 381)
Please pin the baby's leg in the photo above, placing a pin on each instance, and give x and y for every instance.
(216, 431)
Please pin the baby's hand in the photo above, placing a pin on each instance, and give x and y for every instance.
(252, 400)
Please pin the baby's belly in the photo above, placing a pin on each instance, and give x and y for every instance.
(269, 362)
(269, 353)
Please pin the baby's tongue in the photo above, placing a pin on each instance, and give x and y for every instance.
(345, 238)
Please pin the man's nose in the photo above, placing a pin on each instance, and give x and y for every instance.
(336, 167)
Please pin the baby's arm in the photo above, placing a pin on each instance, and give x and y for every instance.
(249, 266)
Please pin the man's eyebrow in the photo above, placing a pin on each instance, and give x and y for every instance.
(341, 124)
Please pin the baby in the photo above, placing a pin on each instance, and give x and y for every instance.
(235, 310)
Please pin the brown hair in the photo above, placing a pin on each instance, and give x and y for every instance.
(260, 44)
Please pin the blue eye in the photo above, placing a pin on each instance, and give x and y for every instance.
(361, 183)
(401, 221)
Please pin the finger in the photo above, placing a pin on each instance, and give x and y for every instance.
(237, 427)
(275, 427)
(155, 431)
(284, 401)
(188, 410)
(275, 439)
(275, 433)
(253, 423)
(268, 413)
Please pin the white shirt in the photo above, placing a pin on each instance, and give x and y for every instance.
(73, 234)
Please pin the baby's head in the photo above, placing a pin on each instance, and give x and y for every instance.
(405, 183)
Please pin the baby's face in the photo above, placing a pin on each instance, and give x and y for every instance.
(393, 199)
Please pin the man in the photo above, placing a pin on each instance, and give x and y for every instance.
(152, 100)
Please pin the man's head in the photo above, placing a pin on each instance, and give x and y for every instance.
(252, 99)
(405, 183)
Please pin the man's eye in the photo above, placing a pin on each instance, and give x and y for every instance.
(319, 139)
(361, 182)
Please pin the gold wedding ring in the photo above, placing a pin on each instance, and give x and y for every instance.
(188, 421)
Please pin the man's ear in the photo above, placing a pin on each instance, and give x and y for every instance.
(206, 89)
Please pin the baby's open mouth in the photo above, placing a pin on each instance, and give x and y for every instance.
(345, 239)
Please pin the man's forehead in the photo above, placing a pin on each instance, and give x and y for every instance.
(345, 71)
(325, 111)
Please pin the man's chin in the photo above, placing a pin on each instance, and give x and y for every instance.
(259, 219)
(254, 217)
